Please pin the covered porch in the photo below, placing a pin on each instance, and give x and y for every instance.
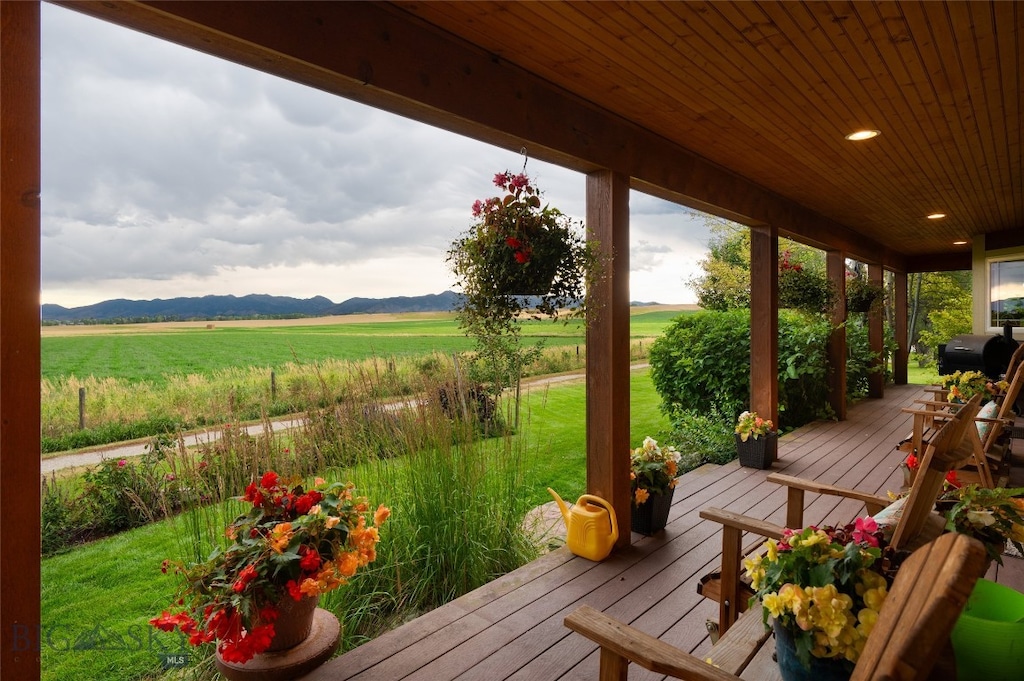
(512, 628)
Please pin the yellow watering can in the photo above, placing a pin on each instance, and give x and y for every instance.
(591, 530)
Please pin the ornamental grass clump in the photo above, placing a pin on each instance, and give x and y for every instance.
(653, 470)
(824, 585)
(292, 543)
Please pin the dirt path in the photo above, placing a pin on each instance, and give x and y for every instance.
(91, 457)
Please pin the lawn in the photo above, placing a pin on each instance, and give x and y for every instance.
(97, 599)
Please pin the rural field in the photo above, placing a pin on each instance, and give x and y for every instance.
(153, 352)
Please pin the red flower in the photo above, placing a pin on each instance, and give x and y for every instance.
(513, 242)
(522, 257)
(293, 589)
(252, 494)
(269, 480)
(310, 561)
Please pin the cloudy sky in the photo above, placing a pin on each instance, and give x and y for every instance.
(167, 172)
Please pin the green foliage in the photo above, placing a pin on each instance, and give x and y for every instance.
(704, 437)
(703, 362)
(940, 308)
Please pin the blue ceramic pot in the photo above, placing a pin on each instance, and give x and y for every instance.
(792, 669)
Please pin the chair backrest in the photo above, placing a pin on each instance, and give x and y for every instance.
(942, 454)
(922, 607)
(1014, 363)
(1009, 398)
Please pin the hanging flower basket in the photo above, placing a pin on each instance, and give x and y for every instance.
(862, 296)
(522, 255)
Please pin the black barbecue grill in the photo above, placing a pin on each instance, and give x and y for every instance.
(987, 354)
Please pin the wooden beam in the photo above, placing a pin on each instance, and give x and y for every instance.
(835, 267)
(764, 322)
(379, 54)
(876, 339)
(608, 349)
(19, 343)
(901, 360)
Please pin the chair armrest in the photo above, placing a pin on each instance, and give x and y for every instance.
(872, 501)
(743, 523)
(620, 642)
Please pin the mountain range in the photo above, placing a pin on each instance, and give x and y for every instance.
(241, 307)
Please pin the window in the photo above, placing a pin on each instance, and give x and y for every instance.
(1005, 293)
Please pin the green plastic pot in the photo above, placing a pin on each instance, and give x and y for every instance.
(989, 635)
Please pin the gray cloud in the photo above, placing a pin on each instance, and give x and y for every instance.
(162, 164)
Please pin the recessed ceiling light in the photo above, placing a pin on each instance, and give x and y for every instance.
(959, 243)
(936, 216)
(863, 135)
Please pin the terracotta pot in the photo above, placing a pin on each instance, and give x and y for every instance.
(294, 622)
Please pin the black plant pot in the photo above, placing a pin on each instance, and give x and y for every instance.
(652, 515)
(757, 452)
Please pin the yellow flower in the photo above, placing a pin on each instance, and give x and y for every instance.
(773, 550)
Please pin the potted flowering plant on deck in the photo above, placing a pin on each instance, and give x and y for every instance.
(292, 545)
(756, 440)
(822, 588)
(653, 471)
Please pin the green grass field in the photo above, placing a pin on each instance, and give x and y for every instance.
(151, 356)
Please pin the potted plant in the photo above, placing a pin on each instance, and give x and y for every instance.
(862, 295)
(519, 258)
(822, 588)
(519, 255)
(804, 287)
(756, 440)
(994, 516)
(291, 546)
(653, 471)
(963, 385)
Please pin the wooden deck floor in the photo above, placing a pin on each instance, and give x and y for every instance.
(512, 628)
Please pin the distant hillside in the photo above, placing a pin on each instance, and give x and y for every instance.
(253, 306)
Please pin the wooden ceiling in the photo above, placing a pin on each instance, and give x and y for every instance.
(741, 106)
(769, 89)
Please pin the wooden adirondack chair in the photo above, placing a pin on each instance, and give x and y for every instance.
(913, 625)
(990, 446)
(917, 522)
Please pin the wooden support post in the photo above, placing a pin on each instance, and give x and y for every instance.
(835, 267)
(876, 338)
(899, 315)
(608, 349)
(19, 345)
(764, 321)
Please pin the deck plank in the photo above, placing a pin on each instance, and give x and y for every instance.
(512, 628)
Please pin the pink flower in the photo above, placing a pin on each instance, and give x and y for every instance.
(478, 208)
(122, 463)
(170, 477)
(501, 179)
(864, 530)
(520, 181)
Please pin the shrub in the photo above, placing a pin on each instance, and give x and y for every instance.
(703, 437)
(702, 364)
